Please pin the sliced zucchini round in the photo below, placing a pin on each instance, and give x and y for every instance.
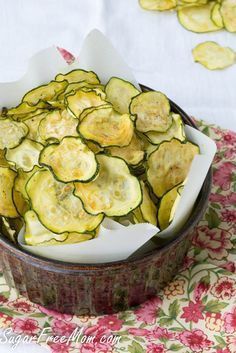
(23, 117)
(176, 130)
(57, 207)
(7, 207)
(212, 56)
(152, 111)
(115, 192)
(24, 108)
(79, 75)
(228, 12)
(11, 133)
(119, 93)
(168, 205)
(198, 18)
(24, 156)
(81, 100)
(70, 160)
(148, 208)
(37, 234)
(169, 165)
(57, 125)
(46, 92)
(159, 5)
(216, 15)
(107, 127)
(132, 154)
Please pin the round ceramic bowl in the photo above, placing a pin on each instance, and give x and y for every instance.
(100, 288)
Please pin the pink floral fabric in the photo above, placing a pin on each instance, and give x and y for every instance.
(196, 312)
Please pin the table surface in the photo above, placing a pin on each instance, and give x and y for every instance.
(155, 45)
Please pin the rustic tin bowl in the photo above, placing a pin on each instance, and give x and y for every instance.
(102, 288)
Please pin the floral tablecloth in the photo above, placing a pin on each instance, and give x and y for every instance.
(196, 312)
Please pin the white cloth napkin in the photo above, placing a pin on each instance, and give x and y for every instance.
(154, 44)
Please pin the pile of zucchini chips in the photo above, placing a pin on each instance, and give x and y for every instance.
(74, 151)
(199, 15)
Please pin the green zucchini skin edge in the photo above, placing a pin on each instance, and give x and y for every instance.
(103, 213)
(55, 176)
(157, 144)
(97, 143)
(21, 140)
(178, 16)
(73, 93)
(51, 230)
(74, 71)
(5, 151)
(44, 85)
(135, 115)
(183, 143)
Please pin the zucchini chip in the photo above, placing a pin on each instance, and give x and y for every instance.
(24, 156)
(107, 127)
(212, 56)
(176, 130)
(169, 165)
(159, 5)
(37, 234)
(152, 112)
(198, 18)
(7, 207)
(81, 100)
(216, 15)
(79, 75)
(228, 12)
(133, 154)
(56, 125)
(168, 206)
(45, 92)
(24, 108)
(70, 160)
(11, 133)
(119, 93)
(148, 208)
(56, 206)
(115, 192)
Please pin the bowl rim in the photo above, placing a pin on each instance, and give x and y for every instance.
(73, 268)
